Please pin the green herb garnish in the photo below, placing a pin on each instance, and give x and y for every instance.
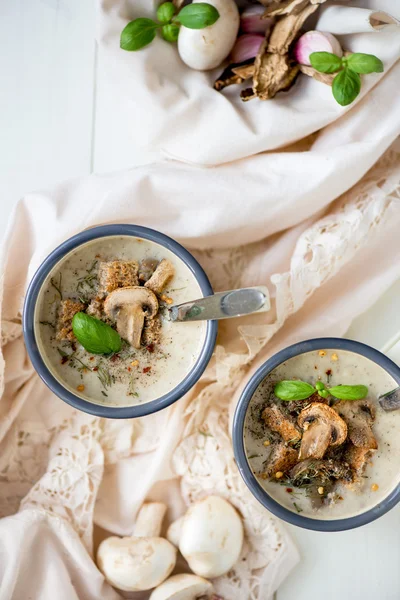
(299, 510)
(48, 323)
(347, 83)
(300, 390)
(141, 32)
(95, 336)
(293, 390)
(349, 392)
(57, 285)
(104, 377)
(85, 282)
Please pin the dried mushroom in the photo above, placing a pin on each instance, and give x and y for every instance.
(274, 69)
(326, 78)
(322, 428)
(286, 7)
(286, 30)
(234, 74)
(273, 73)
(359, 416)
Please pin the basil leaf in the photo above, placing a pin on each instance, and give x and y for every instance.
(349, 392)
(165, 12)
(170, 32)
(364, 63)
(94, 335)
(293, 390)
(138, 34)
(346, 87)
(198, 16)
(325, 62)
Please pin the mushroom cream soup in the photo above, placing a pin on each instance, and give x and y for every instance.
(324, 457)
(126, 284)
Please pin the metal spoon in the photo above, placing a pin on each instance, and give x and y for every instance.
(224, 305)
(390, 400)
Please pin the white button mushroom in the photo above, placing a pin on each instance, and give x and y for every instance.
(183, 587)
(209, 536)
(205, 49)
(128, 307)
(140, 562)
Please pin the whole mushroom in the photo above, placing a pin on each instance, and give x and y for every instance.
(209, 536)
(183, 587)
(204, 49)
(128, 307)
(140, 562)
(322, 428)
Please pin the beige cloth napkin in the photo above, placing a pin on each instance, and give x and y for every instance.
(265, 219)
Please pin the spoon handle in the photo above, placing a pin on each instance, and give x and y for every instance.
(390, 400)
(224, 305)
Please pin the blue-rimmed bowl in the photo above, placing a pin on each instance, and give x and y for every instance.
(114, 412)
(238, 435)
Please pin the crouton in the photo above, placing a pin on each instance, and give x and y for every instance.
(68, 309)
(282, 458)
(277, 421)
(151, 332)
(161, 276)
(117, 274)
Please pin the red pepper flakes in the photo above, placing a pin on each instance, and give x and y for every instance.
(289, 490)
(73, 346)
(129, 369)
(114, 357)
(64, 360)
(95, 368)
(146, 369)
(328, 372)
(91, 358)
(150, 348)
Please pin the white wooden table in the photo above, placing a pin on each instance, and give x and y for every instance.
(53, 126)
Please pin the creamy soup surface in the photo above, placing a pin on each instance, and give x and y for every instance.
(132, 376)
(381, 471)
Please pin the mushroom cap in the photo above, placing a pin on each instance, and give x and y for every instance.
(133, 295)
(322, 428)
(211, 537)
(359, 416)
(183, 587)
(136, 564)
(129, 306)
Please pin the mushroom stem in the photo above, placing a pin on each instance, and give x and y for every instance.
(174, 531)
(130, 324)
(149, 520)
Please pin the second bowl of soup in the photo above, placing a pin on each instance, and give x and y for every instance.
(311, 439)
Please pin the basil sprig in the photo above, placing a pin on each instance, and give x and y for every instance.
(301, 390)
(141, 32)
(347, 84)
(95, 336)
